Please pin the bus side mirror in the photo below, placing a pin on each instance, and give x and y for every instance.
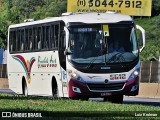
(142, 37)
(67, 52)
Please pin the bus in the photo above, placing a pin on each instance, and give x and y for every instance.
(77, 56)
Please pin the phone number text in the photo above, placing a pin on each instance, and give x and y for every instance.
(120, 3)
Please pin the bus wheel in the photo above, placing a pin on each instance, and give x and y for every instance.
(84, 98)
(105, 99)
(24, 88)
(54, 88)
(117, 99)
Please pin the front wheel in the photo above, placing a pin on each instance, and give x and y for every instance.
(117, 99)
(55, 93)
(107, 99)
(54, 89)
(84, 98)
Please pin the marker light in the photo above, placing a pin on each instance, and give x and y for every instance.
(70, 72)
(74, 75)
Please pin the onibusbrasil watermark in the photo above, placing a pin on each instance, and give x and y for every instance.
(21, 115)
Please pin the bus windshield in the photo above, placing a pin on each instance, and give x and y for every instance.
(96, 45)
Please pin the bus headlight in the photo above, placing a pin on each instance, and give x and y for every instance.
(75, 76)
(134, 74)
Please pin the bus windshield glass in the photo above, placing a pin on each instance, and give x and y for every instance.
(102, 43)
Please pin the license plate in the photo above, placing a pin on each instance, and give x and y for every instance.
(106, 94)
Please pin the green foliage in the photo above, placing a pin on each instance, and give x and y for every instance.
(50, 9)
(16, 11)
(152, 27)
(4, 21)
(156, 5)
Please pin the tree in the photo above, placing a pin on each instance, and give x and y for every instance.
(16, 11)
(51, 8)
(155, 7)
(27, 7)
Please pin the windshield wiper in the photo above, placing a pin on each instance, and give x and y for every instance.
(117, 57)
(113, 57)
(91, 63)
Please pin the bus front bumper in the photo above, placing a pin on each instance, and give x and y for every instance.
(79, 89)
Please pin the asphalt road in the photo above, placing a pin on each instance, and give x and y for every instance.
(135, 100)
(8, 91)
(142, 101)
(127, 100)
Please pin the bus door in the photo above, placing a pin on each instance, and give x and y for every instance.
(67, 53)
(62, 57)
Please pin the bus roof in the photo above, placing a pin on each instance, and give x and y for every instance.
(36, 22)
(109, 17)
(88, 18)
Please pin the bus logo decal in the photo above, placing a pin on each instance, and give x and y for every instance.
(117, 76)
(27, 65)
(46, 62)
(106, 81)
(91, 77)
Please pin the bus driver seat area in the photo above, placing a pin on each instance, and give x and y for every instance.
(88, 50)
(86, 47)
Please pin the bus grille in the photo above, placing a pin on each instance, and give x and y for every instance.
(106, 87)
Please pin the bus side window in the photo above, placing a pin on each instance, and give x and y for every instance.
(35, 46)
(43, 37)
(18, 40)
(39, 36)
(26, 39)
(22, 40)
(12, 41)
(48, 31)
(54, 36)
(15, 42)
(46, 37)
(30, 39)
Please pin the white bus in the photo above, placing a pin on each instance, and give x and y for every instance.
(77, 55)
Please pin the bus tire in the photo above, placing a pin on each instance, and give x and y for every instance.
(54, 88)
(84, 98)
(117, 99)
(107, 99)
(24, 87)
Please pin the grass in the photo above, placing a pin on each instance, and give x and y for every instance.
(74, 109)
